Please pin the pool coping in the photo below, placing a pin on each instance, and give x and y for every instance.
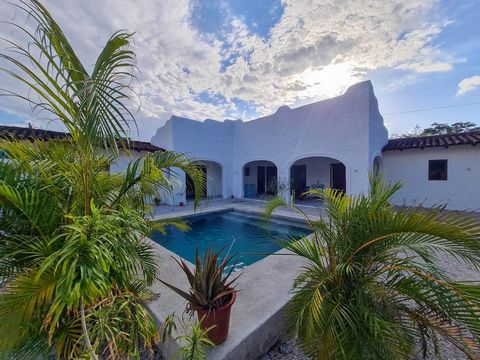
(257, 316)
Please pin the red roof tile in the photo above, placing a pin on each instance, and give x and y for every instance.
(422, 142)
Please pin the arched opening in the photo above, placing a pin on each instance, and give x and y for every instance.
(316, 172)
(259, 179)
(214, 180)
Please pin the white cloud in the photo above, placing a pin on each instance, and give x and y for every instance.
(468, 84)
(427, 67)
(316, 50)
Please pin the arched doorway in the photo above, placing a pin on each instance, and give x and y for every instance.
(214, 180)
(259, 179)
(316, 172)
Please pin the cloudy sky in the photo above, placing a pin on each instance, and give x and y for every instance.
(243, 59)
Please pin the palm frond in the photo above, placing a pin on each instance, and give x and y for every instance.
(373, 283)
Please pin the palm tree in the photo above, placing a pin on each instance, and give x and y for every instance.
(74, 265)
(373, 287)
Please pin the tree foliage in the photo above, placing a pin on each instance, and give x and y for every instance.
(445, 129)
(439, 129)
(373, 285)
(74, 264)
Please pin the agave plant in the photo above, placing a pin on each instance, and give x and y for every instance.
(74, 265)
(210, 284)
(373, 285)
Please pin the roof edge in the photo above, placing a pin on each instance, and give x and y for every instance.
(29, 133)
(432, 141)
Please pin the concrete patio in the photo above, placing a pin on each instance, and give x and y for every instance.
(257, 316)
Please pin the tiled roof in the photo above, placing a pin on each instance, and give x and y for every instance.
(28, 133)
(422, 142)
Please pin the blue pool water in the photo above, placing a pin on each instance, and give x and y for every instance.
(250, 237)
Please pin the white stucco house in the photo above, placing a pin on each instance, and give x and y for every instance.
(330, 143)
(436, 170)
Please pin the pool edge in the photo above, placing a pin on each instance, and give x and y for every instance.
(257, 316)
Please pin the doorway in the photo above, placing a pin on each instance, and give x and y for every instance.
(266, 180)
(337, 177)
(259, 179)
(298, 179)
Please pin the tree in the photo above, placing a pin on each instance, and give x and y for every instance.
(373, 287)
(417, 131)
(438, 129)
(443, 129)
(74, 265)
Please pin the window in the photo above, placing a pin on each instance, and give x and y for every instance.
(437, 169)
(247, 171)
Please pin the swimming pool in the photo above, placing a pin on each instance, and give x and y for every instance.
(249, 236)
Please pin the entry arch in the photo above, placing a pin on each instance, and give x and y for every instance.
(316, 172)
(213, 171)
(260, 178)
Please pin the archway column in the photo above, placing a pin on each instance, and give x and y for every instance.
(284, 190)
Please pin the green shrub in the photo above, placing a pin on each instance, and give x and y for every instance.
(373, 285)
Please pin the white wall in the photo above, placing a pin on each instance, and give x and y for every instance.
(214, 179)
(125, 157)
(462, 189)
(348, 128)
(337, 128)
(202, 141)
(378, 134)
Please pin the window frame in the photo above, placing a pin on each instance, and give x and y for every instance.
(430, 162)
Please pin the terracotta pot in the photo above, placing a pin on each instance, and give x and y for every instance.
(218, 318)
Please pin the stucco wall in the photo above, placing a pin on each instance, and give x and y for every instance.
(124, 158)
(202, 141)
(214, 179)
(378, 134)
(460, 192)
(337, 128)
(347, 128)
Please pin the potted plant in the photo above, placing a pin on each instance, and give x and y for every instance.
(212, 293)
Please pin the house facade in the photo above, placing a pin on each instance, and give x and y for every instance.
(436, 170)
(332, 143)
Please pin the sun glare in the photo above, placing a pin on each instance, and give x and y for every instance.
(329, 81)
